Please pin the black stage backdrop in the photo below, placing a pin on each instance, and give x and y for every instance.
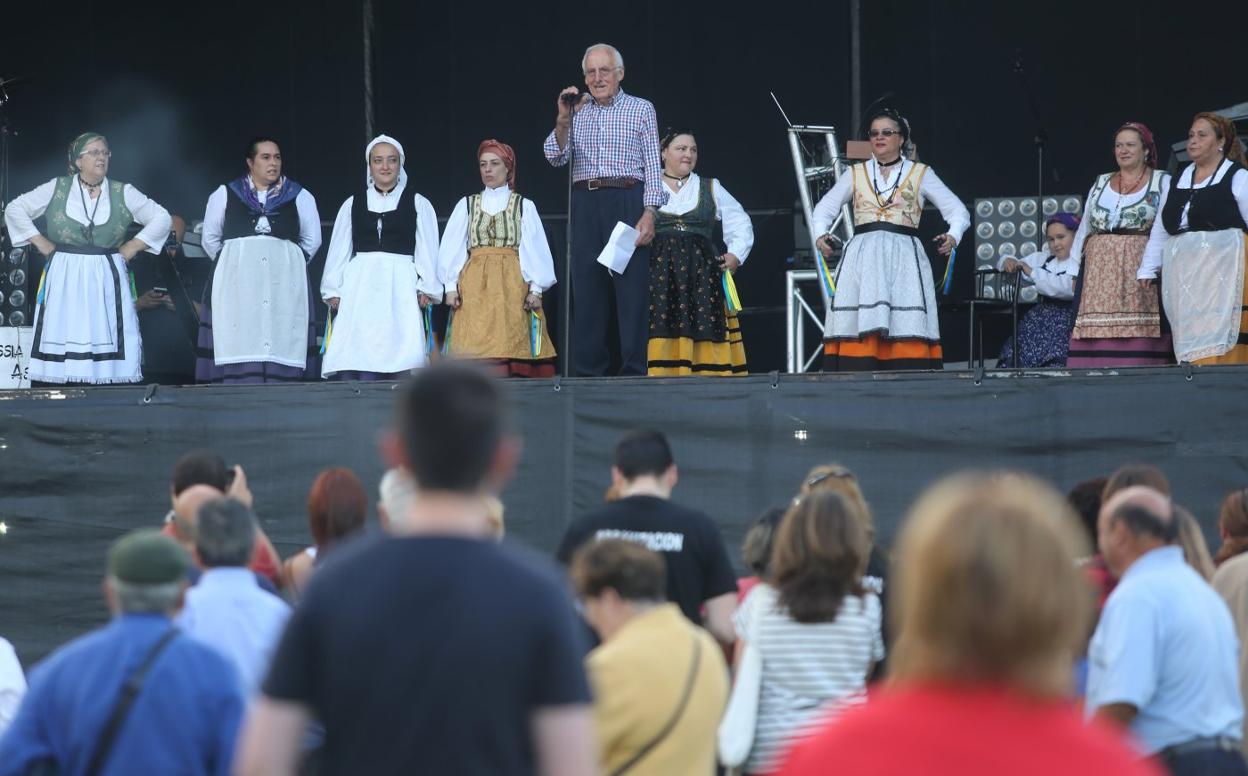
(80, 467)
(180, 87)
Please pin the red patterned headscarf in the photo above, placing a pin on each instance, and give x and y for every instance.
(505, 152)
(1146, 137)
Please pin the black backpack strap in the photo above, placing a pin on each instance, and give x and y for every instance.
(129, 691)
(680, 710)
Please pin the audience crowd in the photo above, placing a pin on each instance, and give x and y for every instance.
(1010, 629)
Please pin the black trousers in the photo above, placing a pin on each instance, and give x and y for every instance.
(1215, 762)
(594, 215)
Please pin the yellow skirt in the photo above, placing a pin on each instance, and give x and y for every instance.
(681, 356)
(491, 321)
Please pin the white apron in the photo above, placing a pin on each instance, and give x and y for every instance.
(379, 326)
(1202, 288)
(86, 329)
(260, 302)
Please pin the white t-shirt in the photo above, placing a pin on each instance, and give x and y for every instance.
(810, 670)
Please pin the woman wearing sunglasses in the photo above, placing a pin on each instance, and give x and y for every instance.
(883, 311)
(86, 325)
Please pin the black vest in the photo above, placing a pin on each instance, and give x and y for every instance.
(239, 221)
(398, 227)
(1213, 207)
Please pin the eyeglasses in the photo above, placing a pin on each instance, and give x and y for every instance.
(595, 72)
(96, 153)
(883, 132)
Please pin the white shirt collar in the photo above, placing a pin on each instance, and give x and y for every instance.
(496, 195)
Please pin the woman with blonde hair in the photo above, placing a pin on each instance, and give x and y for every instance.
(1192, 540)
(990, 610)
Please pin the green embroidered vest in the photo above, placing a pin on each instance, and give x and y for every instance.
(700, 220)
(501, 230)
(68, 233)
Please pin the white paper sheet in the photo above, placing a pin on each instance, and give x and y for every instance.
(619, 248)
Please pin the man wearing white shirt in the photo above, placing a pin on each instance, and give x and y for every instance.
(1163, 661)
(227, 609)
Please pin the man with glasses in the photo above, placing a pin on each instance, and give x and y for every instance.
(1163, 660)
(613, 141)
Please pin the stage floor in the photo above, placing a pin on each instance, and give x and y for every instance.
(79, 466)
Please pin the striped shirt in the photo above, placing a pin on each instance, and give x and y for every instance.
(810, 670)
(617, 140)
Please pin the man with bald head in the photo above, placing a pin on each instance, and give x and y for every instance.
(200, 476)
(1163, 661)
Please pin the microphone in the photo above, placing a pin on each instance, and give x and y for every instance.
(571, 99)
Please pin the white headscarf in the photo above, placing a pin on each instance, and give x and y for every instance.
(368, 153)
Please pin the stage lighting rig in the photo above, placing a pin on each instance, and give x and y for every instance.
(1007, 226)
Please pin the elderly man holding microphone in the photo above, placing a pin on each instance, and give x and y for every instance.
(612, 139)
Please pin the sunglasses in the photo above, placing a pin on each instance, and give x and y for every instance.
(814, 480)
(883, 133)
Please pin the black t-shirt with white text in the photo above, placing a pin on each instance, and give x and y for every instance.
(698, 567)
(430, 655)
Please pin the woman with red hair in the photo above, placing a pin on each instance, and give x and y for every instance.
(495, 263)
(1117, 316)
(1198, 244)
(337, 510)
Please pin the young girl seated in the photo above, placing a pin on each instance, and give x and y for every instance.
(1044, 332)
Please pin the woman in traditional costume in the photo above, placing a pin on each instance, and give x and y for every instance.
(86, 325)
(261, 229)
(1199, 245)
(1118, 319)
(882, 315)
(693, 318)
(1044, 332)
(495, 263)
(380, 273)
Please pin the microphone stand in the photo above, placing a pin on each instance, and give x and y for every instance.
(565, 314)
(1041, 139)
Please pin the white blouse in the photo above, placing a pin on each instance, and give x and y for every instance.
(537, 265)
(305, 206)
(1055, 279)
(930, 188)
(1150, 265)
(341, 249)
(21, 213)
(1114, 203)
(738, 231)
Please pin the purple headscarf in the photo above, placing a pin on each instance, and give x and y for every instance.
(1068, 220)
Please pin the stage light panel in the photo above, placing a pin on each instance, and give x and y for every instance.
(1000, 220)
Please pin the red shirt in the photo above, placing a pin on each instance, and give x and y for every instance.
(263, 562)
(969, 732)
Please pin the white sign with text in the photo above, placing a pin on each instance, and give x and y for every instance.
(15, 356)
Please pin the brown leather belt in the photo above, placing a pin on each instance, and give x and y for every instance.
(593, 184)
